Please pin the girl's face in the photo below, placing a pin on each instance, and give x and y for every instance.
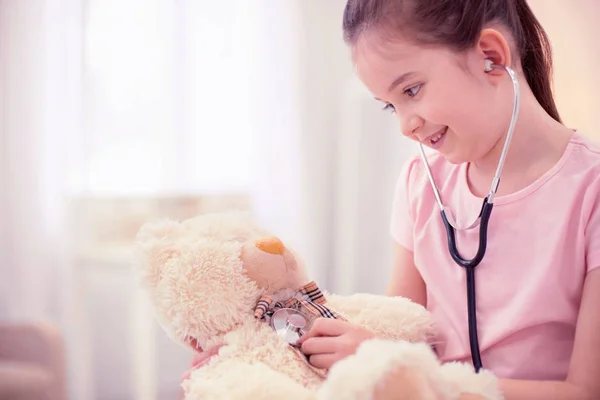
(442, 99)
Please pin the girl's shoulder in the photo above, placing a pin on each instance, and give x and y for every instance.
(581, 161)
(587, 146)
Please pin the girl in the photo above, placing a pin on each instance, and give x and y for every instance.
(538, 286)
(539, 283)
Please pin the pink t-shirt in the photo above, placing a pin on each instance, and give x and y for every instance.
(542, 241)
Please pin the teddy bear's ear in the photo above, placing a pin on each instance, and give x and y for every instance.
(156, 243)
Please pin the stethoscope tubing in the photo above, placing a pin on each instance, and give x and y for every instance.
(482, 221)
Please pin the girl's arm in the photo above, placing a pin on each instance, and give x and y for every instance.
(406, 281)
(583, 381)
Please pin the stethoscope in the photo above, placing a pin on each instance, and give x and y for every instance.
(481, 221)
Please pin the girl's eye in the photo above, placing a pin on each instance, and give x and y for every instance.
(389, 107)
(412, 91)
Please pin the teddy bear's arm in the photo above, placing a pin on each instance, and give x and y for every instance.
(383, 369)
(471, 385)
(394, 318)
(388, 370)
(237, 380)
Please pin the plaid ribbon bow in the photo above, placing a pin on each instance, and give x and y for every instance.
(309, 298)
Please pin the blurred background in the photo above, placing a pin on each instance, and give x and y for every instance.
(115, 112)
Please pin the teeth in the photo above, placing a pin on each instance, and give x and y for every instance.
(436, 138)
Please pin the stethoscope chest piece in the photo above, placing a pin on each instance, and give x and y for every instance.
(290, 324)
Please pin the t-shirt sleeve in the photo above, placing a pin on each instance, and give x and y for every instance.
(402, 221)
(592, 232)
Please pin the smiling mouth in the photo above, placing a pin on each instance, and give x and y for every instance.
(433, 139)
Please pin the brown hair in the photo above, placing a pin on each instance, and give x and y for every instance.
(458, 23)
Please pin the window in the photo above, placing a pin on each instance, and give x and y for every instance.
(167, 97)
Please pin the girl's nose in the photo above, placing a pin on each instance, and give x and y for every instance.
(410, 125)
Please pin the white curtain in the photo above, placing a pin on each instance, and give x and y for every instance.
(135, 99)
(40, 108)
(37, 131)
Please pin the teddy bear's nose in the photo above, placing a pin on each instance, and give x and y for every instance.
(271, 245)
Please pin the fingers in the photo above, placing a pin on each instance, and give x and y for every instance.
(186, 375)
(323, 361)
(319, 345)
(326, 327)
(194, 344)
(322, 343)
(198, 361)
(201, 359)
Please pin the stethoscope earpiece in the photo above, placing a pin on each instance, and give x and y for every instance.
(488, 65)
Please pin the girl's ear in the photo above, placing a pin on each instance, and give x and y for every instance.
(493, 46)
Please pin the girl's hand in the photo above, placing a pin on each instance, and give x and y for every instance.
(331, 340)
(200, 359)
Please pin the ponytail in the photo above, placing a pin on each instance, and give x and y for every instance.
(536, 56)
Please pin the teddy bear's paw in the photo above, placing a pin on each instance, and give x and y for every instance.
(235, 380)
(483, 385)
(382, 369)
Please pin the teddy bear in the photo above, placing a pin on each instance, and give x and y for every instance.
(221, 279)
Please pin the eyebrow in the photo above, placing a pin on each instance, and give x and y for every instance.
(399, 80)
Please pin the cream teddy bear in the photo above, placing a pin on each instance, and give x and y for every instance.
(222, 280)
